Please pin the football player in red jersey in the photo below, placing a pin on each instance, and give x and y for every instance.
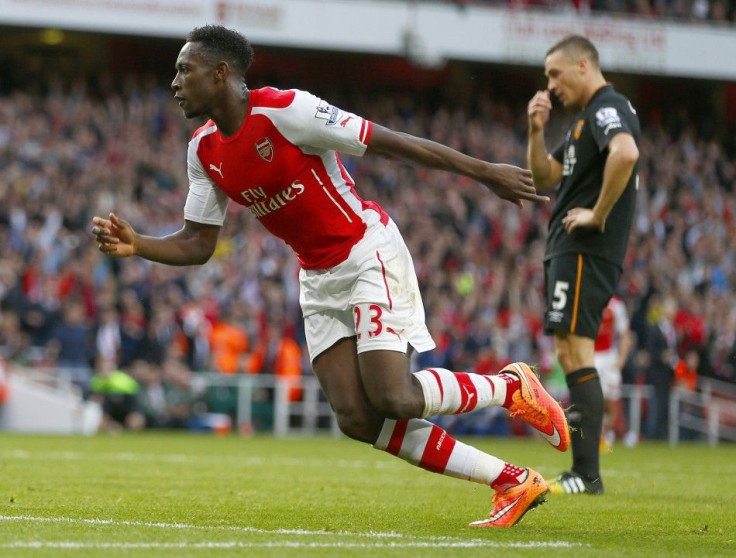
(612, 347)
(277, 153)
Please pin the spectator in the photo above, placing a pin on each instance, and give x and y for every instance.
(229, 340)
(686, 371)
(686, 192)
(108, 338)
(180, 395)
(612, 349)
(71, 344)
(116, 391)
(277, 353)
(132, 326)
(4, 389)
(151, 403)
(13, 341)
(162, 331)
(662, 347)
(39, 307)
(686, 379)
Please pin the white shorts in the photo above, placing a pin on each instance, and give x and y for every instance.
(373, 295)
(606, 363)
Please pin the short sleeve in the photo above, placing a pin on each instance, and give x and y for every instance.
(311, 122)
(206, 203)
(609, 120)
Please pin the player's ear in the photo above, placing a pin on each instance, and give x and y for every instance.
(221, 71)
(583, 64)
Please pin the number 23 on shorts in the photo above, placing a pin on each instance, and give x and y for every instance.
(368, 320)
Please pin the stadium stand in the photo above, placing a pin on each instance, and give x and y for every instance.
(73, 146)
(717, 12)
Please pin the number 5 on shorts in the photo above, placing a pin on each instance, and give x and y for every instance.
(559, 299)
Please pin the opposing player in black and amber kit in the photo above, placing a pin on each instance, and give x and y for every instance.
(595, 170)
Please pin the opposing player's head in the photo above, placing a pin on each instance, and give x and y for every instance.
(212, 62)
(573, 70)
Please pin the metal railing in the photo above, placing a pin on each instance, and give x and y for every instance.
(710, 411)
(636, 394)
(290, 418)
(308, 416)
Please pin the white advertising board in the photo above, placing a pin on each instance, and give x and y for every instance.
(428, 32)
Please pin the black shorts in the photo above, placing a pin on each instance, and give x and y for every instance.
(118, 406)
(578, 287)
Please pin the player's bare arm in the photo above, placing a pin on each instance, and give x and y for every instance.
(546, 170)
(193, 244)
(622, 157)
(508, 182)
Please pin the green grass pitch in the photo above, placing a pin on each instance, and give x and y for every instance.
(182, 495)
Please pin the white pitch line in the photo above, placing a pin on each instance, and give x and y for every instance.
(240, 460)
(283, 544)
(187, 459)
(413, 541)
(187, 526)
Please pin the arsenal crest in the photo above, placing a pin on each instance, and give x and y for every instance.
(264, 148)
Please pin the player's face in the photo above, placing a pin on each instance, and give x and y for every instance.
(564, 78)
(193, 84)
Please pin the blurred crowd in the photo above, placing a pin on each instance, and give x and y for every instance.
(68, 152)
(713, 12)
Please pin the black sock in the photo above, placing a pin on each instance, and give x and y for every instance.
(586, 421)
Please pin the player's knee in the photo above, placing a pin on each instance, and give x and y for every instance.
(358, 426)
(565, 360)
(396, 405)
(573, 358)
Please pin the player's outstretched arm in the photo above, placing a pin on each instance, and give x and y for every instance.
(193, 244)
(507, 181)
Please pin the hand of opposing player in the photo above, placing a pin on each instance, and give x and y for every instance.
(581, 217)
(538, 111)
(114, 236)
(513, 184)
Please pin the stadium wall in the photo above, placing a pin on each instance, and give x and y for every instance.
(425, 32)
(36, 407)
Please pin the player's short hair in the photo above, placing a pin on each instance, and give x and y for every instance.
(576, 45)
(220, 43)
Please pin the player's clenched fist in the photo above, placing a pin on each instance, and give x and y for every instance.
(538, 110)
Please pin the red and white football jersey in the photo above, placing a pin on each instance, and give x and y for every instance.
(283, 165)
(615, 322)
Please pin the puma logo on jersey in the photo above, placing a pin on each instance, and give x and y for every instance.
(218, 170)
(345, 122)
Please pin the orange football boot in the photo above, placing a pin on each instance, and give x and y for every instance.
(510, 505)
(532, 404)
